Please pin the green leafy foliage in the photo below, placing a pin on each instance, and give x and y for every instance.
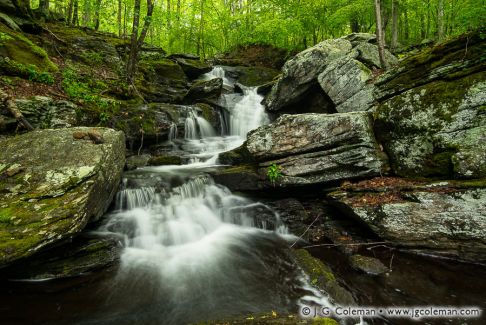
(274, 172)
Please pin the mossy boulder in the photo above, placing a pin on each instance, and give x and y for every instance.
(204, 89)
(53, 184)
(193, 68)
(322, 277)
(85, 254)
(165, 160)
(20, 56)
(251, 76)
(162, 81)
(442, 218)
(314, 149)
(430, 115)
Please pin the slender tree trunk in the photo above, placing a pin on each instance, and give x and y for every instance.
(125, 21)
(169, 21)
(379, 34)
(75, 13)
(440, 20)
(97, 14)
(119, 18)
(44, 7)
(86, 12)
(69, 16)
(394, 39)
(407, 25)
(137, 41)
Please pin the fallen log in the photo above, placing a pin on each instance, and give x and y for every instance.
(10, 105)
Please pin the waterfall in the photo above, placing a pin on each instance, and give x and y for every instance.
(193, 248)
(248, 114)
(196, 127)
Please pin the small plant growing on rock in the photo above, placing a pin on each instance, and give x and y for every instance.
(274, 172)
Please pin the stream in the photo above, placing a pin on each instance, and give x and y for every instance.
(194, 251)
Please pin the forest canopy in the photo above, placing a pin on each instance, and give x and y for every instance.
(206, 27)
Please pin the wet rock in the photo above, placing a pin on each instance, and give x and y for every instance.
(53, 185)
(430, 117)
(322, 277)
(164, 160)
(47, 113)
(85, 254)
(251, 76)
(240, 178)
(204, 89)
(314, 148)
(292, 213)
(193, 68)
(436, 219)
(137, 161)
(146, 125)
(368, 265)
(163, 81)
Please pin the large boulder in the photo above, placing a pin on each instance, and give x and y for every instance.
(162, 81)
(193, 68)
(343, 69)
(446, 219)
(204, 89)
(314, 148)
(430, 115)
(250, 76)
(53, 182)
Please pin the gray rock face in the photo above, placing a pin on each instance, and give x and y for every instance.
(87, 253)
(368, 265)
(47, 113)
(347, 82)
(317, 148)
(430, 131)
(449, 223)
(300, 73)
(342, 67)
(52, 185)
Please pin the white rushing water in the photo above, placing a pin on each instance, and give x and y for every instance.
(194, 250)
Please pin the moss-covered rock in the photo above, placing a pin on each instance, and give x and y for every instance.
(52, 185)
(204, 89)
(441, 218)
(162, 81)
(322, 277)
(20, 56)
(165, 160)
(85, 254)
(251, 76)
(193, 68)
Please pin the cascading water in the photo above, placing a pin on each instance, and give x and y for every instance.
(195, 251)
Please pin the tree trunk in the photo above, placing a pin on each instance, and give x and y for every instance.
(394, 39)
(69, 16)
(440, 20)
(137, 41)
(379, 35)
(86, 12)
(44, 8)
(119, 18)
(97, 14)
(75, 13)
(13, 109)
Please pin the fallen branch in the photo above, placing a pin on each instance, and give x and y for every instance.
(12, 108)
(318, 216)
(343, 244)
(54, 35)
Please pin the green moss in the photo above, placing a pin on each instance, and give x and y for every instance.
(162, 68)
(324, 321)
(315, 269)
(5, 215)
(23, 51)
(165, 160)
